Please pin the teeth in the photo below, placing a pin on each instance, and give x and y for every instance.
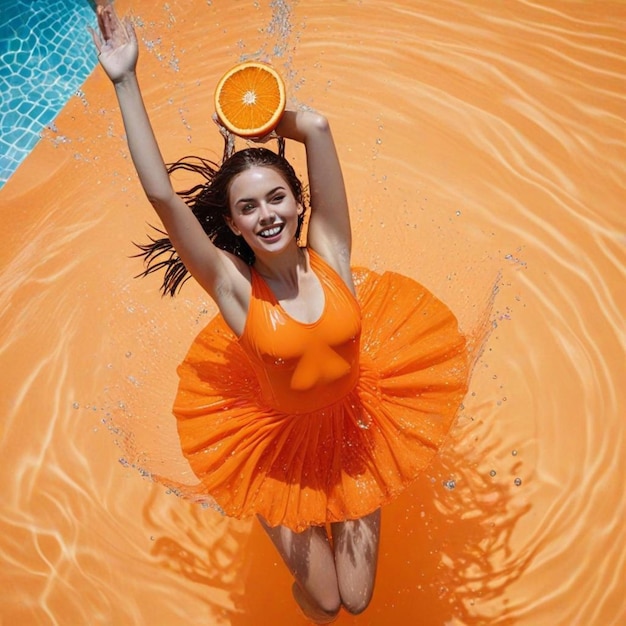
(270, 232)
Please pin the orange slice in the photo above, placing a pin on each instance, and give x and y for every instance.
(250, 99)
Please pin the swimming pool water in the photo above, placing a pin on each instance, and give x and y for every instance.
(45, 56)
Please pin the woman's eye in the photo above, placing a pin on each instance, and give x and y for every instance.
(277, 199)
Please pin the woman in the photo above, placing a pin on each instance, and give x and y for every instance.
(294, 403)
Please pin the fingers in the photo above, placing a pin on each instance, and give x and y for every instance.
(104, 21)
(114, 23)
(265, 138)
(223, 130)
(100, 18)
(113, 35)
(96, 39)
(130, 30)
(112, 29)
(111, 23)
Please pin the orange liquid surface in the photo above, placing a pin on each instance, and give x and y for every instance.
(483, 144)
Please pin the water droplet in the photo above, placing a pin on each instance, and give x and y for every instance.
(514, 452)
(449, 484)
(492, 473)
(76, 405)
(518, 482)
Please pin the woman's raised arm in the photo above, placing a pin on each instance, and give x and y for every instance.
(329, 231)
(118, 52)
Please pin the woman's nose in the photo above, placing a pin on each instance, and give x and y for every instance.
(267, 213)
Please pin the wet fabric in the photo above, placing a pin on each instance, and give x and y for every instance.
(307, 424)
(302, 367)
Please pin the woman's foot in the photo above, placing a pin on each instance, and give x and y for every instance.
(310, 610)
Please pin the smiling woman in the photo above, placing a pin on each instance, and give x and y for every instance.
(272, 214)
(477, 139)
(290, 408)
(211, 205)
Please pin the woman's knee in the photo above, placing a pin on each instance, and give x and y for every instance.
(322, 608)
(356, 602)
(322, 595)
(329, 605)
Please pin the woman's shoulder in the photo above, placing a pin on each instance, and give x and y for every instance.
(231, 291)
(332, 267)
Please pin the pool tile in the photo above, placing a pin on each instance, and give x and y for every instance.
(45, 56)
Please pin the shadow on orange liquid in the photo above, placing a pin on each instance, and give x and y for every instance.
(477, 142)
(438, 560)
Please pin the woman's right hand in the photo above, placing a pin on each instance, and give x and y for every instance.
(116, 44)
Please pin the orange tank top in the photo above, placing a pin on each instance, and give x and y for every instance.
(303, 367)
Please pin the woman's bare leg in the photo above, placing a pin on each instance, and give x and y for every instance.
(309, 557)
(355, 544)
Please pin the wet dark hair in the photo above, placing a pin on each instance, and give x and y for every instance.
(208, 201)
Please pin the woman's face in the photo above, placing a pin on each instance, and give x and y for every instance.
(263, 209)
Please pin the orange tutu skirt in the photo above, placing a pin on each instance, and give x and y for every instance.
(347, 459)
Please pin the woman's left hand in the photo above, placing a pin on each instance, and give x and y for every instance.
(116, 44)
(227, 134)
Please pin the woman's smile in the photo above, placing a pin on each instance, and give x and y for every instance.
(271, 232)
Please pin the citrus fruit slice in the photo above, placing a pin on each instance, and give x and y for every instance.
(250, 99)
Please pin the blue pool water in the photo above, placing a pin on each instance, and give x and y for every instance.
(45, 56)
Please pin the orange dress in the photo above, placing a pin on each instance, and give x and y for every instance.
(307, 424)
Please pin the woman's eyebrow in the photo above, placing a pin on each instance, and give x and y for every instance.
(269, 193)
